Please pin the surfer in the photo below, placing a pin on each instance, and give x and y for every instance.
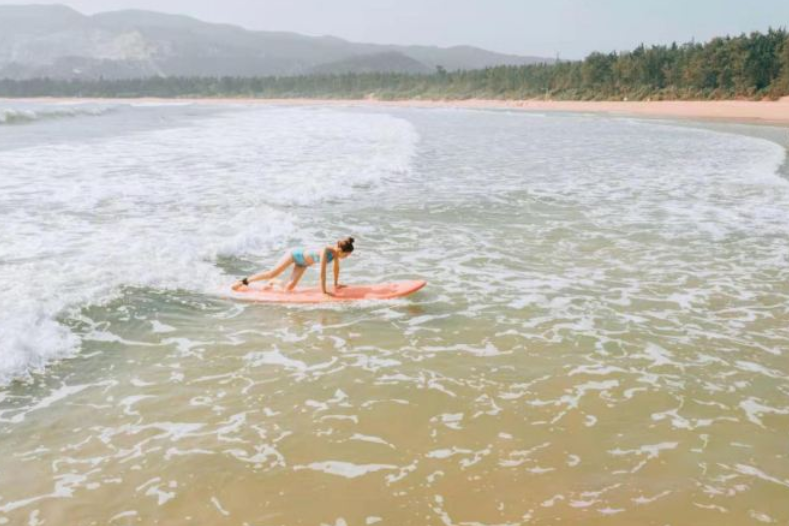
(302, 258)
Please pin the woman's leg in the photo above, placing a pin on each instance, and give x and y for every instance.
(295, 277)
(283, 264)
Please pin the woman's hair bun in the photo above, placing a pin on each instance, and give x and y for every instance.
(346, 245)
(352, 240)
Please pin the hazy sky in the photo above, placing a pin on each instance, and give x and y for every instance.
(572, 28)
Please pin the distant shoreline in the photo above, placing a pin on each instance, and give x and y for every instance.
(741, 111)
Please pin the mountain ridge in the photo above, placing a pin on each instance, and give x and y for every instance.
(60, 42)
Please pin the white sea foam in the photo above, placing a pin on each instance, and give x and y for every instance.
(346, 469)
(372, 439)
(82, 220)
(56, 396)
(754, 410)
(756, 472)
(160, 328)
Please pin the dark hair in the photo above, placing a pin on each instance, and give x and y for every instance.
(346, 245)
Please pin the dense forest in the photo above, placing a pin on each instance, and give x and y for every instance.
(751, 66)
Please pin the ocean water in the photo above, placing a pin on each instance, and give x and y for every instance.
(604, 338)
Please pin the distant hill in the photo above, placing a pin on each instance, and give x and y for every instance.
(58, 42)
(386, 62)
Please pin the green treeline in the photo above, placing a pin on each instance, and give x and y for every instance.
(751, 66)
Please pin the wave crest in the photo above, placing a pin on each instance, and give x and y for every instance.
(11, 116)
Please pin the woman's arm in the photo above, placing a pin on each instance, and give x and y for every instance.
(336, 270)
(323, 271)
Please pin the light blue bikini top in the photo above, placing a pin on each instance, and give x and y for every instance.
(316, 256)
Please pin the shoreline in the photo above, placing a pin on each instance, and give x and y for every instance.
(773, 113)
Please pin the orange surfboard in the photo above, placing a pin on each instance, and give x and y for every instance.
(383, 291)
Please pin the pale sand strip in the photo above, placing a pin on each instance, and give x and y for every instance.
(765, 112)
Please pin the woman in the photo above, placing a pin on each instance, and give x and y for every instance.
(301, 259)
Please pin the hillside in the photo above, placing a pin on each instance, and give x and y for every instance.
(754, 66)
(58, 42)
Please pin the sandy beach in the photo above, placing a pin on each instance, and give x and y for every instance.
(765, 112)
(754, 112)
